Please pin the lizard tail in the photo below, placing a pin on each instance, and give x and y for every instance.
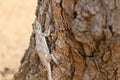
(49, 72)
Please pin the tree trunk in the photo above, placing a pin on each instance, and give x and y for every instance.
(86, 36)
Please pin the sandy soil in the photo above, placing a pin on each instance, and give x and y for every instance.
(16, 17)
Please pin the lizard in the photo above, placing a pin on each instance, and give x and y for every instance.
(42, 47)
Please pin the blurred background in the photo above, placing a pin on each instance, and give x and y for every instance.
(16, 17)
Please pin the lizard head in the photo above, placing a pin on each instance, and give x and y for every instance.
(36, 26)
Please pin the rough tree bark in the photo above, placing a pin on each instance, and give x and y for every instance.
(85, 34)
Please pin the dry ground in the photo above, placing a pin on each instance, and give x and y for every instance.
(16, 17)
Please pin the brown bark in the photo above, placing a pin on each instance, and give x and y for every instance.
(85, 34)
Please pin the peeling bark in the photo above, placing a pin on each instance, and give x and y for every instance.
(85, 34)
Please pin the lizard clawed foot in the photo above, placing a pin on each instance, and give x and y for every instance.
(57, 59)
